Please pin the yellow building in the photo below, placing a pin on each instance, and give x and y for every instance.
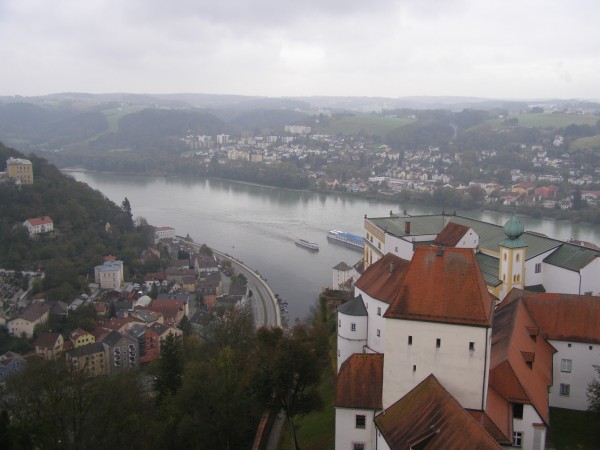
(21, 169)
(79, 337)
(91, 359)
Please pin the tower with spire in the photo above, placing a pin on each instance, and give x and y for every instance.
(511, 268)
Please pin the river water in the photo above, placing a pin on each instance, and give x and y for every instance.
(258, 225)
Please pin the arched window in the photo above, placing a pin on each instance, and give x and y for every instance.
(518, 257)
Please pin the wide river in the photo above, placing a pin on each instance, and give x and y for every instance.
(258, 225)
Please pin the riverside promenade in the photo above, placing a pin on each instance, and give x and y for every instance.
(264, 303)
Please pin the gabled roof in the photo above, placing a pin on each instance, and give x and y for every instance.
(382, 279)
(39, 221)
(354, 307)
(33, 312)
(443, 285)
(112, 338)
(489, 267)
(88, 349)
(360, 382)
(451, 234)
(47, 340)
(521, 359)
(572, 257)
(562, 317)
(430, 418)
(342, 267)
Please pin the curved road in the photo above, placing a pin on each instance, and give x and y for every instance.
(263, 301)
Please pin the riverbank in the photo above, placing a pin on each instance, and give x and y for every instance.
(265, 304)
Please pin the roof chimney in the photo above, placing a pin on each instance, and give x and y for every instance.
(407, 227)
(441, 251)
(391, 267)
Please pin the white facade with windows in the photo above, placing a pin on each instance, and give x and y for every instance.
(375, 323)
(351, 331)
(525, 432)
(459, 355)
(573, 370)
(360, 432)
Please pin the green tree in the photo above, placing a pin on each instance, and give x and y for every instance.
(169, 369)
(290, 368)
(593, 392)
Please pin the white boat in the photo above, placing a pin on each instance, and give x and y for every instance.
(307, 244)
(347, 238)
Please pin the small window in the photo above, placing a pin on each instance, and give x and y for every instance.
(361, 421)
(565, 365)
(590, 347)
(518, 439)
(378, 333)
(504, 257)
(565, 389)
(538, 268)
(569, 345)
(414, 368)
(517, 410)
(471, 346)
(352, 327)
(358, 446)
(518, 257)
(410, 340)
(340, 323)
(396, 249)
(438, 343)
(378, 311)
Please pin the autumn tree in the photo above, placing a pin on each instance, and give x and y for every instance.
(289, 369)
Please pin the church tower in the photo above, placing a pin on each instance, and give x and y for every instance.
(511, 267)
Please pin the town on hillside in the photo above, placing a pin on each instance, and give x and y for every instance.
(120, 324)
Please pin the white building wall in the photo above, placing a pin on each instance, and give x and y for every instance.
(590, 278)
(582, 356)
(463, 372)
(349, 340)
(340, 277)
(381, 444)
(559, 280)
(346, 433)
(375, 322)
(531, 277)
(469, 240)
(403, 247)
(525, 426)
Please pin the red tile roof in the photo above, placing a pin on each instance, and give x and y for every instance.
(382, 278)
(443, 285)
(430, 418)
(562, 317)
(499, 411)
(39, 220)
(360, 382)
(451, 234)
(520, 364)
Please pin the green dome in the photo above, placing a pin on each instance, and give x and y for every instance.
(513, 228)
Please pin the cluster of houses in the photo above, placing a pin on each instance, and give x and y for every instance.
(420, 170)
(463, 334)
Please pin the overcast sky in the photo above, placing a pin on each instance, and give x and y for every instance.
(392, 48)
